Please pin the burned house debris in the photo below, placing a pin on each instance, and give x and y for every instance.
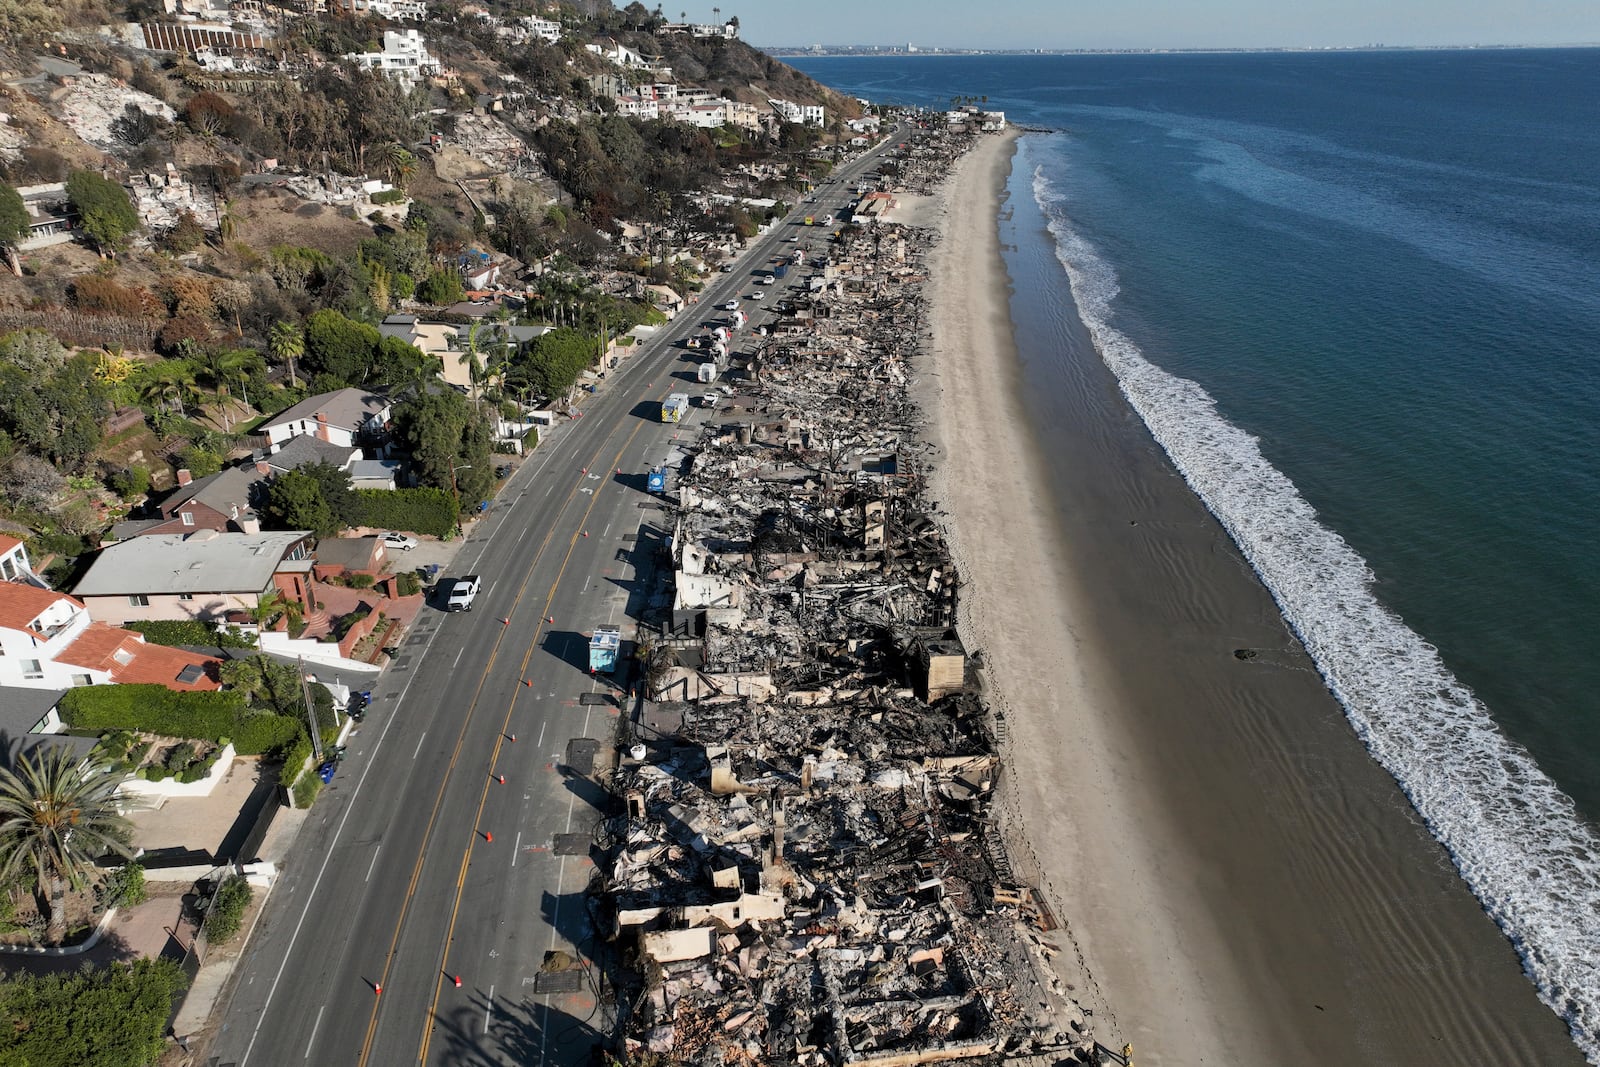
(807, 868)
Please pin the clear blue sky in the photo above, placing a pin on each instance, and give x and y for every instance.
(1159, 23)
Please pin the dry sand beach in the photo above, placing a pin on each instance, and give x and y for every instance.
(1242, 884)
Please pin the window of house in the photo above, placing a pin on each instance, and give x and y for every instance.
(187, 517)
(139, 600)
(82, 679)
(31, 669)
(185, 596)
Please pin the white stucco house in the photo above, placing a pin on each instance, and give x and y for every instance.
(345, 417)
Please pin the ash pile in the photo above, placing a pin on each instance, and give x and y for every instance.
(806, 869)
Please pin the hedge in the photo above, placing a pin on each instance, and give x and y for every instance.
(155, 709)
(190, 632)
(388, 196)
(423, 511)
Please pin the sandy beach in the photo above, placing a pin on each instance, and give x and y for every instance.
(1241, 884)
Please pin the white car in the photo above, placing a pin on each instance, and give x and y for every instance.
(757, 295)
(463, 593)
(400, 541)
(732, 305)
(794, 239)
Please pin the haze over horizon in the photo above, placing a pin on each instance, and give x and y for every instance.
(1100, 24)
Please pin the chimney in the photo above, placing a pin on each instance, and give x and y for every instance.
(184, 477)
(322, 416)
(263, 467)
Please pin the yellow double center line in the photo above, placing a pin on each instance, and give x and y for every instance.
(466, 858)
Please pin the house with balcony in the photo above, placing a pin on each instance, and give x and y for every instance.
(345, 417)
(405, 57)
(48, 640)
(15, 566)
(206, 575)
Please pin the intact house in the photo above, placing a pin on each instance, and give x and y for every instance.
(30, 724)
(345, 417)
(405, 57)
(223, 501)
(307, 451)
(206, 575)
(48, 640)
(14, 563)
(437, 339)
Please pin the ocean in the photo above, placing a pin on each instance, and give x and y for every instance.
(1356, 298)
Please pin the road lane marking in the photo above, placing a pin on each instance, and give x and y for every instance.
(483, 796)
(516, 848)
(314, 1026)
(488, 1010)
(541, 732)
(457, 662)
(421, 739)
(373, 864)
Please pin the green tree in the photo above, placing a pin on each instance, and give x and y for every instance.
(110, 1016)
(13, 223)
(269, 607)
(287, 342)
(441, 286)
(294, 502)
(551, 364)
(227, 909)
(339, 346)
(57, 816)
(104, 211)
(337, 491)
(444, 433)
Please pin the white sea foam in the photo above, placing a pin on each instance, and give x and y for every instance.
(1516, 839)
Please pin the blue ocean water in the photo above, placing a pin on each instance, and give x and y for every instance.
(1356, 296)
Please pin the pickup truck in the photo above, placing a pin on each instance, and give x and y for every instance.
(463, 593)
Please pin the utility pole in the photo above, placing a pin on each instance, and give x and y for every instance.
(311, 711)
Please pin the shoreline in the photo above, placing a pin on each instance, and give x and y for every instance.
(1241, 882)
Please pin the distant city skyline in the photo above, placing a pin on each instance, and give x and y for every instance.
(1018, 24)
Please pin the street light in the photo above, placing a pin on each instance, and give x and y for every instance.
(454, 492)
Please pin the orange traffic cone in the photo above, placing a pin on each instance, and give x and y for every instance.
(377, 989)
(488, 838)
(501, 778)
(458, 981)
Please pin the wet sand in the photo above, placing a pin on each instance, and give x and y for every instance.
(1242, 884)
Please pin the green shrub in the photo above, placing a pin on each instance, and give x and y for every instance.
(189, 632)
(408, 584)
(227, 910)
(294, 761)
(424, 511)
(361, 580)
(122, 888)
(304, 793)
(156, 709)
(388, 196)
(107, 1016)
(530, 440)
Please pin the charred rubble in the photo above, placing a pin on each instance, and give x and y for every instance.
(806, 869)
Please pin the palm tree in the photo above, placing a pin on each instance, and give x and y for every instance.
(396, 161)
(56, 817)
(170, 387)
(470, 358)
(286, 341)
(236, 366)
(270, 607)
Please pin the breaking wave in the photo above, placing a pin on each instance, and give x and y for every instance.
(1515, 838)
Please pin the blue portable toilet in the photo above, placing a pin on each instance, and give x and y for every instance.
(656, 482)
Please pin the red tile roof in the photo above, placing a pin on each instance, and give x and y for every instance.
(126, 656)
(20, 604)
(7, 543)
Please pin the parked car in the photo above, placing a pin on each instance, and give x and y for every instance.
(503, 471)
(400, 541)
(711, 400)
(757, 295)
(463, 593)
(731, 305)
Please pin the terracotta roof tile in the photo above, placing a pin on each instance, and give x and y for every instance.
(128, 658)
(20, 604)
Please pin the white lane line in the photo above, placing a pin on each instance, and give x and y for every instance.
(327, 857)
(488, 1010)
(373, 864)
(541, 734)
(314, 1026)
(587, 579)
(523, 534)
(421, 739)
(492, 584)
(548, 489)
(457, 662)
(516, 848)
(606, 530)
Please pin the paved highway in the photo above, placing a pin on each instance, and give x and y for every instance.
(418, 865)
